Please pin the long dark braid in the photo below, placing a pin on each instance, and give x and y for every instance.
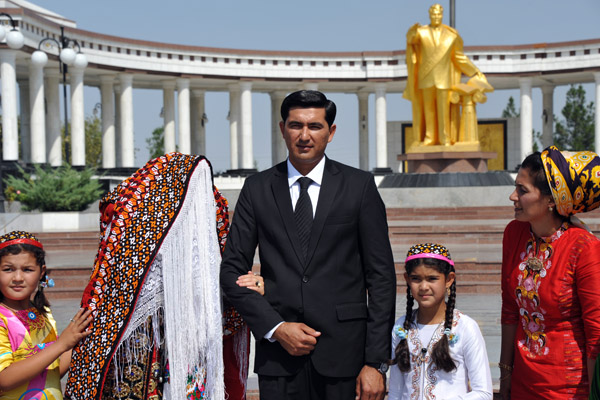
(440, 353)
(401, 354)
(40, 302)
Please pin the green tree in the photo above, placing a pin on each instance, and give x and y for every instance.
(93, 142)
(54, 189)
(576, 132)
(510, 111)
(536, 140)
(66, 143)
(18, 130)
(156, 143)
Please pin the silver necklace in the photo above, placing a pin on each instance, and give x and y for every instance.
(422, 356)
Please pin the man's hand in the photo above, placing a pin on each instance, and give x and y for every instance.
(296, 338)
(370, 384)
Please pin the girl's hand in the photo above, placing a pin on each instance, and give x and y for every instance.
(252, 282)
(23, 371)
(76, 330)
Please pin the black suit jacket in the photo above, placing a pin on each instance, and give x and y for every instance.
(345, 289)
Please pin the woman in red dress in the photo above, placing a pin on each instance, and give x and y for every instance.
(551, 279)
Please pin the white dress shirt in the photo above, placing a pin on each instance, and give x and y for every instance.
(316, 174)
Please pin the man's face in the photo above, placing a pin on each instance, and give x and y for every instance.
(435, 15)
(306, 134)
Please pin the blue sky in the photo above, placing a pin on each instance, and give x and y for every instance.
(330, 25)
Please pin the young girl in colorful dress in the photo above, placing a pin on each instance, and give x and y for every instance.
(438, 351)
(32, 357)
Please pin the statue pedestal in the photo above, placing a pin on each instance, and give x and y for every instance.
(447, 161)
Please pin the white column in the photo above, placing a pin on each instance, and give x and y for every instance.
(363, 130)
(547, 116)
(37, 117)
(194, 123)
(278, 147)
(109, 151)
(234, 119)
(25, 121)
(597, 128)
(198, 123)
(526, 117)
(169, 116)
(381, 126)
(118, 152)
(246, 124)
(10, 135)
(53, 134)
(183, 111)
(310, 86)
(127, 145)
(77, 117)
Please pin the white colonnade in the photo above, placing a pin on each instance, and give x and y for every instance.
(526, 117)
(183, 111)
(37, 127)
(126, 117)
(53, 136)
(77, 118)
(41, 139)
(247, 156)
(109, 151)
(381, 126)
(198, 123)
(234, 123)
(25, 120)
(186, 75)
(10, 139)
(278, 147)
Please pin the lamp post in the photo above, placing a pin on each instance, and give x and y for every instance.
(14, 40)
(67, 57)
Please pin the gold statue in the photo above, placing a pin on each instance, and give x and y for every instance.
(435, 63)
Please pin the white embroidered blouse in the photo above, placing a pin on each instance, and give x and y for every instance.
(470, 381)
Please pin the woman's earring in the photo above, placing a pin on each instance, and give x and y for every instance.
(448, 291)
(550, 208)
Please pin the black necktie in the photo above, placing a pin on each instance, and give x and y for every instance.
(303, 214)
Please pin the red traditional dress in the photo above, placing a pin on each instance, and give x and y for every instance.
(552, 295)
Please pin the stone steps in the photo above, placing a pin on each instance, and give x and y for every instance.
(69, 282)
(64, 241)
(473, 235)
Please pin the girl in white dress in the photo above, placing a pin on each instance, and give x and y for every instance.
(438, 351)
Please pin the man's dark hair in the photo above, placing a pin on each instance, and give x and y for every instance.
(308, 99)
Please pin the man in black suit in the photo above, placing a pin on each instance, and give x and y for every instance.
(323, 327)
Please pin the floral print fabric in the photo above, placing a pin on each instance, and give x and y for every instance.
(22, 335)
(550, 294)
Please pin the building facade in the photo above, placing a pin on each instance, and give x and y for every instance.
(117, 65)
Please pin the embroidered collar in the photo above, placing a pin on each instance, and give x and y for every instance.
(549, 239)
(538, 259)
(30, 317)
